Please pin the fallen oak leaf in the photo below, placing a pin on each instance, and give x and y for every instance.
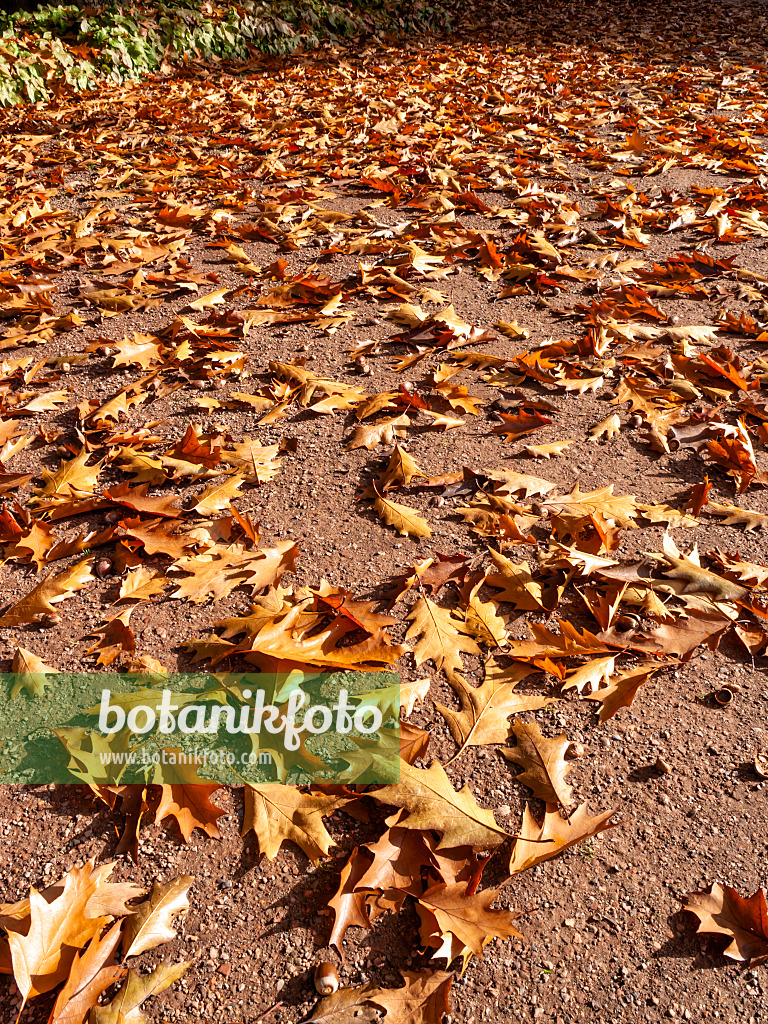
(400, 470)
(348, 905)
(346, 1006)
(117, 637)
(539, 842)
(142, 583)
(402, 517)
(30, 673)
(482, 619)
(457, 910)
(150, 923)
(91, 974)
(73, 477)
(486, 709)
(218, 496)
(734, 515)
(606, 428)
(211, 299)
(516, 425)
(547, 451)
(440, 419)
(544, 762)
(592, 674)
(190, 804)
(622, 689)
(722, 911)
(432, 803)
(698, 579)
(42, 958)
(368, 435)
(441, 637)
(51, 590)
(278, 813)
(137, 499)
(423, 1000)
(125, 1008)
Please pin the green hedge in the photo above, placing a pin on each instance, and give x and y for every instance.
(60, 48)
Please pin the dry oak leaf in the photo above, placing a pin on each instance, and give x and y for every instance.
(698, 580)
(73, 477)
(482, 619)
(547, 644)
(125, 1008)
(49, 592)
(433, 803)
(544, 762)
(217, 573)
(441, 637)
(349, 906)
(519, 424)
(104, 898)
(218, 496)
(592, 674)
(290, 634)
(485, 711)
(412, 692)
(402, 517)
(401, 469)
(137, 499)
(42, 958)
(622, 689)
(143, 351)
(516, 583)
(398, 859)
(606, 428)
(547, 451)
(734, 515)
(539, 842)
(346, 1006)
(744, 921)
(142, 583)
(423, 1000)
(36, 543)
(441, 419)
(368, 435)
(454, 909)
(277, 813)
(188, 800)
(91, 974)
(117, 638)
(150, 924)
(30, 673)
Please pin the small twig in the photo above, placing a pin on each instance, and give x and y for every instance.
(269, 1009)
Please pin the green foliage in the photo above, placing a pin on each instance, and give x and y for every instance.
(58, 48)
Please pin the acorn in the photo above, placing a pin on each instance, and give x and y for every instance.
(635, 420)
(103, 567)
(723, 696)
(326, 978)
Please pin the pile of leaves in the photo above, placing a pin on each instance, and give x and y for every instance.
(130, 367)
(57, 48)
